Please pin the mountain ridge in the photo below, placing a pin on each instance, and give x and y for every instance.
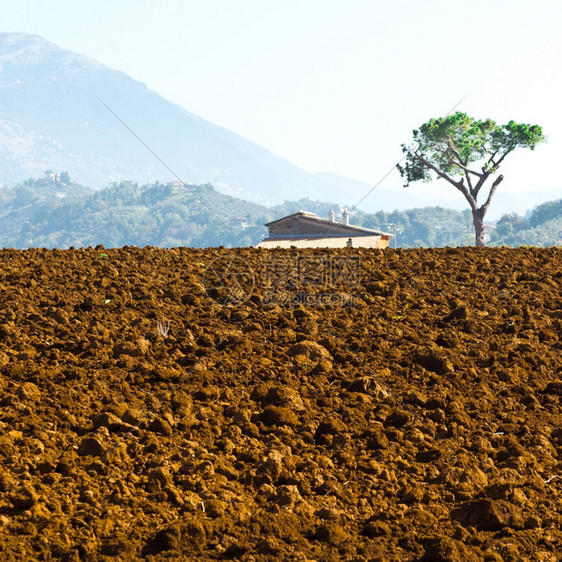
(51, 117)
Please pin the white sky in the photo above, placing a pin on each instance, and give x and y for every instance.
(330, 85)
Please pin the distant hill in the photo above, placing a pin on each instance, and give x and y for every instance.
(50, 118)
(47, 213)
(55, 212)
(541, 227)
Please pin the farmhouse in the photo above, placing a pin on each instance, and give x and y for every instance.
(307, 230)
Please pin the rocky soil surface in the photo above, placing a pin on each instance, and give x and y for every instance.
(288, 405)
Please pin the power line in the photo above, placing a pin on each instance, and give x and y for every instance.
(334, 228)
(402, 159)
(201, 200)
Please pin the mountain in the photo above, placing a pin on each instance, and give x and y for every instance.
(52, 116)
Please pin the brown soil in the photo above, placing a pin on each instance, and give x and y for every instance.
(421, 421)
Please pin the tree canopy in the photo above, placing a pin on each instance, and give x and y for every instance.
(466, 152)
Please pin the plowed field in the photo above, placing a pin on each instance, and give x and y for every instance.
(287, 405)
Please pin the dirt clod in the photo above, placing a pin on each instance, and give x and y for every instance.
(414, 415)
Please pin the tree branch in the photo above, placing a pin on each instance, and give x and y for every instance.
(501, 159)
(459, 162)
(453, 150)
(458, 184)
(479, 185)
(468, 181)
(429, 165)
(491, 161)
(484, 207)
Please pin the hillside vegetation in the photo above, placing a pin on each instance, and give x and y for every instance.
(542, 227)
(41, 213)
(54, 212)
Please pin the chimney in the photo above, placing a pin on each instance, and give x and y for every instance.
(331, 216)
(345, 217)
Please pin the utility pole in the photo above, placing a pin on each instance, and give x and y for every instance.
(395, 231)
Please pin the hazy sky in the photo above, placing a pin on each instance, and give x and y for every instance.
(330, 85)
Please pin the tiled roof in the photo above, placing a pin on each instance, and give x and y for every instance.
(321, 242)
(339, 225)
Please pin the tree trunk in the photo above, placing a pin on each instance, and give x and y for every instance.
(478, 221)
